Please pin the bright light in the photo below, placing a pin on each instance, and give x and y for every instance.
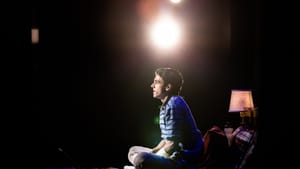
(175, 1)
(165, 33)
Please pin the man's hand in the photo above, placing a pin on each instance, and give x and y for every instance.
(163, 153)
(169, 146)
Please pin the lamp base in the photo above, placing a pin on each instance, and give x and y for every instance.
(248, 118)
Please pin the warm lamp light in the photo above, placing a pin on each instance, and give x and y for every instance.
(241, 101)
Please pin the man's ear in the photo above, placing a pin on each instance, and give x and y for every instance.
(168, 87)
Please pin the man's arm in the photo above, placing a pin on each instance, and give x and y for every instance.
(159, 146)
(169, 146)
(166, 148)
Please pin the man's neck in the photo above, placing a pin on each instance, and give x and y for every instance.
(164, 100)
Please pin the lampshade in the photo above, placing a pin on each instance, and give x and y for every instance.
(241, 100)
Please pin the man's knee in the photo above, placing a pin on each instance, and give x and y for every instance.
(131, 148)
(140, 158)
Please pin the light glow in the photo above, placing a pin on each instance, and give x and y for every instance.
(165, 33)
(175, 1)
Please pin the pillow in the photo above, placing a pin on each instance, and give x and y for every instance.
(243, 139)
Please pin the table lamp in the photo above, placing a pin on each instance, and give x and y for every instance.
(241, 101)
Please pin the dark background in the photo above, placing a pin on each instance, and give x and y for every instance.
(92, 71)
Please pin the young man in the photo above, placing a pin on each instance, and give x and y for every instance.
(181, 141)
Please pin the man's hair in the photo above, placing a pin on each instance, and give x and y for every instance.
(172, 76)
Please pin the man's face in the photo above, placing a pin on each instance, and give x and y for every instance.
(158, 88)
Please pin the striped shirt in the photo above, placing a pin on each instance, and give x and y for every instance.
(177, 124)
